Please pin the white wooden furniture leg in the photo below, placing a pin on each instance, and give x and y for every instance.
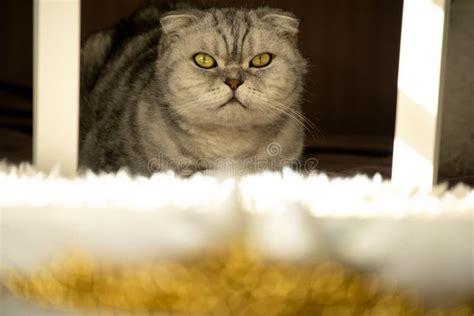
(56, 84)
(420, 91)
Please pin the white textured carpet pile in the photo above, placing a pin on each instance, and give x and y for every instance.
(424, 239)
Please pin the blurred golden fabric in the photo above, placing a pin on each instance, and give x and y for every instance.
(232, 281)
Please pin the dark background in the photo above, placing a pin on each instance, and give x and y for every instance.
(352, 47)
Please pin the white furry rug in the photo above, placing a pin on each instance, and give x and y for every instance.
(422, 239)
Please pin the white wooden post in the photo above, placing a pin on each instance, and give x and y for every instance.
(56, 84)
(420, 92)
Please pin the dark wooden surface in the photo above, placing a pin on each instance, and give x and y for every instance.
(16, 41)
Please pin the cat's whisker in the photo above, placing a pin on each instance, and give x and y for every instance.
(294, 117)
(304, 118)
(305, 122)
(265, 113)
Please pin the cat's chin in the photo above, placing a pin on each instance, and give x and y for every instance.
(232, 103)
(233, 114)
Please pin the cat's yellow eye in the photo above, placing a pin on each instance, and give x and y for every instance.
(204, 60)
(261, 60)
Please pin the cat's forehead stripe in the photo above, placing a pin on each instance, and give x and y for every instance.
(232, 27)
(246, 32)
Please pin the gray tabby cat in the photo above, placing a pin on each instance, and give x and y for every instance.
(190, 89)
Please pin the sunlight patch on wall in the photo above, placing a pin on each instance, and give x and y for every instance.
(420, 54)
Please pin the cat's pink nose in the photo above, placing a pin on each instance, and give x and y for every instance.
(233, 83)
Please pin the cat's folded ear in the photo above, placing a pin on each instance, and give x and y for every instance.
(173, 23)
(284, 21)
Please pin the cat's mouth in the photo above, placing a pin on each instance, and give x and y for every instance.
(233, 102)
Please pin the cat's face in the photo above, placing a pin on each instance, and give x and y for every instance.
(231, 67)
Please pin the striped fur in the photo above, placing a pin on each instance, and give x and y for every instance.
(146, 106)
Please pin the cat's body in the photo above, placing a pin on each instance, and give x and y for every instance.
(146, 105)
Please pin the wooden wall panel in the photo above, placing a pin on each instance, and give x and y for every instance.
(99, 14)
(16, 41)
